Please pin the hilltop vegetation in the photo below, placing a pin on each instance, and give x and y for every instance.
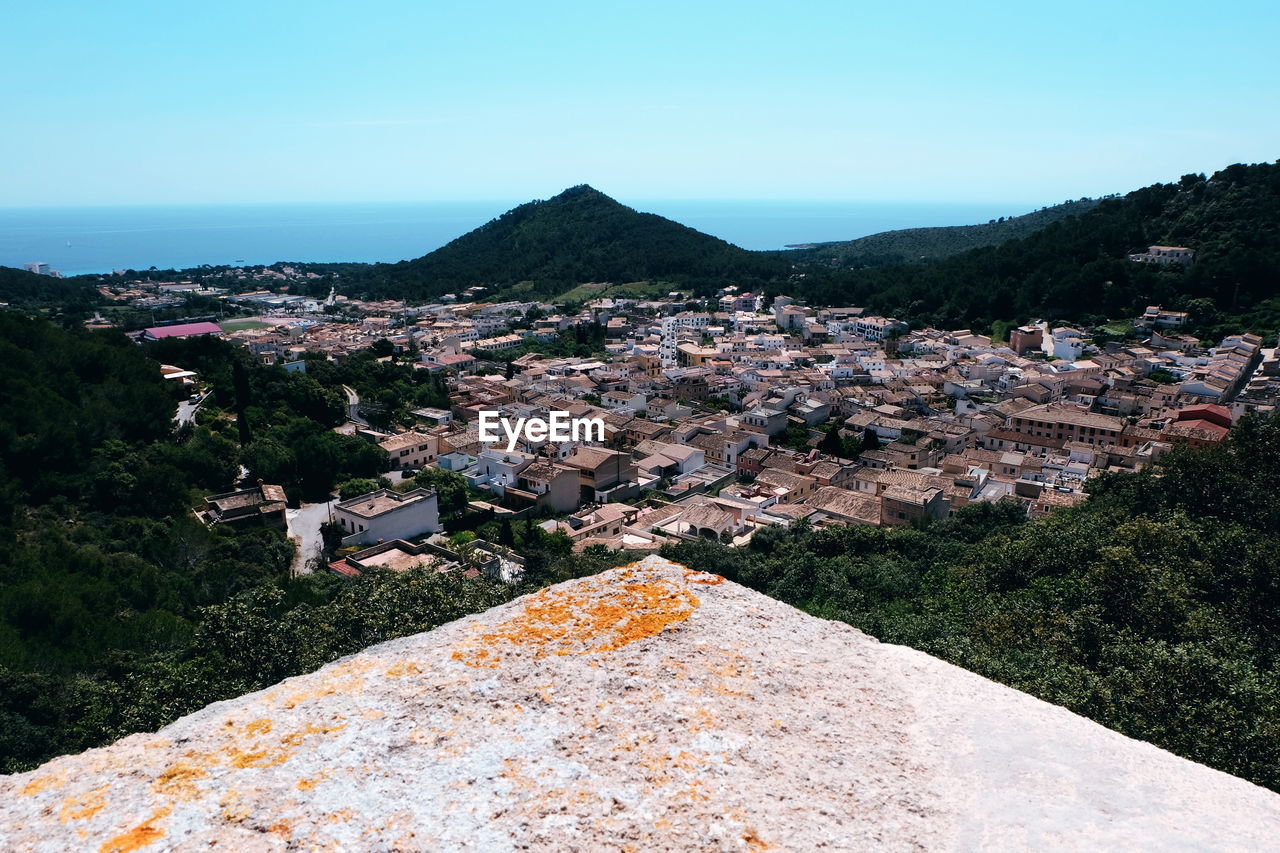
(1077, 268)
(578, 236)
(22, 289)
(1068, 261)
(913, 245)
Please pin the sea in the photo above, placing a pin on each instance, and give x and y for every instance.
(77, 240)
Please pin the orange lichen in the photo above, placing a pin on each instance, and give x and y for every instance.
(402, 669)
(258, 727)
(140, 836)
(280, 828)
(754, 841)
(309, 784)
(596, 616)
(233, 810)
(178, 780)
(270, 755)
(662, 768)
(704, 578)
(41, 783)
(83, 806)
(295, 738)
(343, 678)
(701, 720)
(266, 757)
(696, 795)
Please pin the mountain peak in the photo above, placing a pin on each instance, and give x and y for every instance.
(650, 706)
(581, 191)
(580, 235)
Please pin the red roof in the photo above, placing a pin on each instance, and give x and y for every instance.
(344, 568)
(1219, 415)
(183, 330)
(1209, 426)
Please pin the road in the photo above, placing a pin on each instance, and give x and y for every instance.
(304, 529)
(353, 406)
(187, 410)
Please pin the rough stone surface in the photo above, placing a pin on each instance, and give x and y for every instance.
(646, 708)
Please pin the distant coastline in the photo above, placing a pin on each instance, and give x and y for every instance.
(78, 240)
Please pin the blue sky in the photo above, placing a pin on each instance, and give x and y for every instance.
(140, 102)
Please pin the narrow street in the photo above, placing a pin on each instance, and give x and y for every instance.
(353, 406)
(304, 529)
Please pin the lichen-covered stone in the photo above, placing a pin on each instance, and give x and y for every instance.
(646, 708)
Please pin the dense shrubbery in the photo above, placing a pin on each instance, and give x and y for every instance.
(1154, 608)
(1077, 268)
(28, 290)
(283, 421)
(119, 611)
(913, 245)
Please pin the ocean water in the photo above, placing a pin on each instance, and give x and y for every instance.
(101, 239)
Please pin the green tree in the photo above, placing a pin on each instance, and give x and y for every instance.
(361, 486)
(832, 444)
(450, 486)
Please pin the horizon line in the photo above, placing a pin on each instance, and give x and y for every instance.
(629, 202)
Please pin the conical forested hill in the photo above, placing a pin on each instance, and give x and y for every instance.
(580, 235)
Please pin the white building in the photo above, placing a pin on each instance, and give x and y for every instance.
(1065, 343)
(877, 328)
(384, 515)
(1165, 255)
(671, 329)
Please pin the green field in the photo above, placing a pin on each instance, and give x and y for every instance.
(631, 290)
(241, 325)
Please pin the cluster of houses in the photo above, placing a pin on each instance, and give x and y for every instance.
(696, 405)
(715, 421)
(385, 529)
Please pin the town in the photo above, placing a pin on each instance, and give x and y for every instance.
(725, 416)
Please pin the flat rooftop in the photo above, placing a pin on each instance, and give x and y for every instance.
(383, 501)
(399, 561)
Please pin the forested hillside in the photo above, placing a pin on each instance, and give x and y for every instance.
(580, 235)
(119, 610)
(22, 289)
(913, 245)
(1078, 268)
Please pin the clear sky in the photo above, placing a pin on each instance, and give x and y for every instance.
(278, 100)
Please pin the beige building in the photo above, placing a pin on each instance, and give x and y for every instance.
(1067, 423)
(410, 449)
